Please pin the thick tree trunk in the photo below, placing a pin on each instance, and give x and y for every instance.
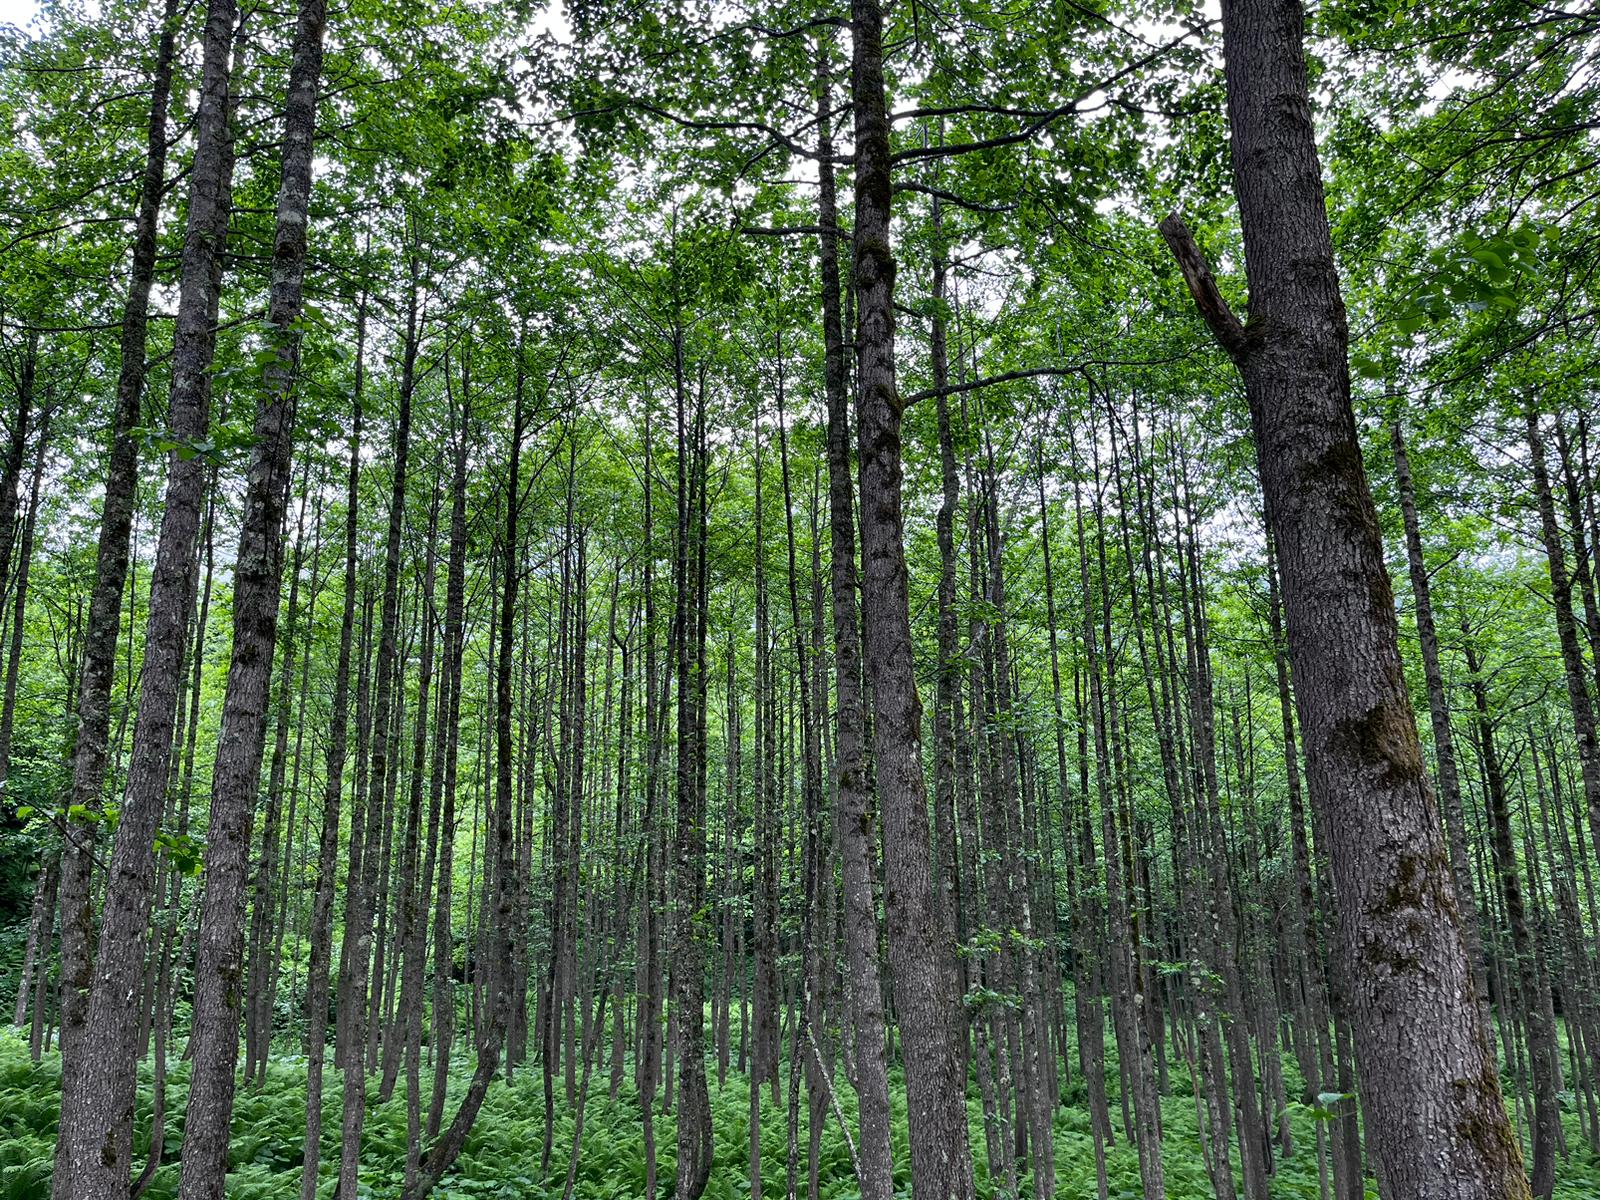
(257, 580)
(104, 623)
(857, 827)
(1434, 1101)
(688, 959)
(97, 1103)
(921, 948)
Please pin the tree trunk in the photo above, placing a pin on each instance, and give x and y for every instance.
(257, 580)
(104, 623)
(19, 599)
(688, 960)
(448, 732)
(921, 949)
(360, 897)
(1444, 748)
(97, 1103)
(1578, 698)
(503, 867)
(1434, 1100)
(857, 828)
(317, 979)
(258, 1013)
(1543, 1060)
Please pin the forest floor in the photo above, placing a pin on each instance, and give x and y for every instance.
(502, 1158)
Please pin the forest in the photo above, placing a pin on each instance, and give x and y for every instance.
(919, 599)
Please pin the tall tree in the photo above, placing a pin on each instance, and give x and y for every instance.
(321, 933)
(921, 951)
(97, 1106)
(1421, 1048)
(104, 621)
(853, 802)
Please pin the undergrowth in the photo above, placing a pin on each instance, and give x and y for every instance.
(502, 1157)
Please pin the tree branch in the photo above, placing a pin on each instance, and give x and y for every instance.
(777, 135)
(1214, 310)
(790, 230)
(952, 198)
(1039, 117)
(956, 389)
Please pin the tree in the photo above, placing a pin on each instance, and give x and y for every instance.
(97, 1105)
(1401, 940)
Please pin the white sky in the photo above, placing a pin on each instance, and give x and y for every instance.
(16, 12)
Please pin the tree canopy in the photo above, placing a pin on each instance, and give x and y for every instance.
(938, 599)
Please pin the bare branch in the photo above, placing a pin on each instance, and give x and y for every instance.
(1214, 310)
(772, 131)
(952, 198)
(956, 389)
(791, 230)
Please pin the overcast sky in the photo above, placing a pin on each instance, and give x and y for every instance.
(16, 12)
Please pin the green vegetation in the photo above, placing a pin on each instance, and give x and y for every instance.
(501, 1158)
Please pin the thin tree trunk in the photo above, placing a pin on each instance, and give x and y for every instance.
(360, 897)
(258, 1013)
(448, 733)
(1543, 1060)
(19, 599)
(1444, 749)
(504, 869)
(317, 979)
(1578, 698)
(415, 888)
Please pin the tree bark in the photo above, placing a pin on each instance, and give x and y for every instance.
(104, 622)
(857, 827)
(688, 965)
(257, 584)
(97, 1105)
(1434, 1104)
(921, 949)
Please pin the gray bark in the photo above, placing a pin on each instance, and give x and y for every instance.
(1433, 1099)
(97, 1105)
(921, 948)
